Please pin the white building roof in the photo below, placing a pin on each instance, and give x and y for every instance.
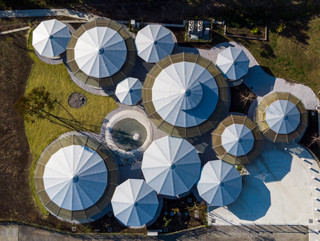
(171, 166)
(128, 91)
(154, 42)
(100, 52)
(185, 94)
(134, 203)
(50, 38)
(282, 116)
(233, 62)
(75, 177)
(220, 183)
(237, 139)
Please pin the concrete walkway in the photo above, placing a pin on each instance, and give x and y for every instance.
(15, 232)
(14, 30)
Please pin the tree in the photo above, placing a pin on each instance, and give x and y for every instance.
(37, 104)
(280, 28)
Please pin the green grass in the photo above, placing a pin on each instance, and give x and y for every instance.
(56, 80)
(292, 55)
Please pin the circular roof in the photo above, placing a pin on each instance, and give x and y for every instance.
(171, 166)
(220, 183)
(134, 203)
(185, 95)
(282, 116)
(50, 38)
(154, 42)
(100, 52)
(75, 177)
(128, 91)
(183, 92)
(233, 62)
(237, 139)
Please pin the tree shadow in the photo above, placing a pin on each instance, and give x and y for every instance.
(267, 51)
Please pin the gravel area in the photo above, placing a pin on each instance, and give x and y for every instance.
(260, 82)
(76, 100)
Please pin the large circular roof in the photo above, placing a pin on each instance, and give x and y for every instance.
(100, 52)
(75, 177)
(220, 183)
(185, 95)
(282, 116)
(171, 166)
(154, 42)
(237, 139)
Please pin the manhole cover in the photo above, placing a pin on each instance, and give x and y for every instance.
(77, 100)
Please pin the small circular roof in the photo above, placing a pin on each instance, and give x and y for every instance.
(100, 52)
(154, 42)
(128, 91)
(75, 177)
(237, 139)
(183, 97)
(220, 183)
(233, 62)
(134, 203)
(50, 38)
(282, 117)
(171, 166)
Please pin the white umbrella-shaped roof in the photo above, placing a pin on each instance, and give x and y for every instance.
(128, 91)
(171, 166)
(237, 139)
(134, 203)
(282, 116)
(220, 183)
(154, 42)
(50, 38)
(182, 93)
(233, 62)
(75, 177)
(100, 52)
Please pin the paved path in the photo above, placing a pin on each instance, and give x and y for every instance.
(14, 30)
(226, 233)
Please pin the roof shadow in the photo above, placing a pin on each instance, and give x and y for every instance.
(254, 200)
(259, 81)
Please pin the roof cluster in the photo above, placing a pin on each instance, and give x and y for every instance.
(184, 95)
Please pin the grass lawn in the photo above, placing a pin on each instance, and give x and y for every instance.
(292, 55)
(56, 80)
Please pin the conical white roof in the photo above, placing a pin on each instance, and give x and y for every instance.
(233, 62)
(182, 93)
(171, 166)
(75, 177)
(134, 203)
(282, 116)
(50, 38)
(128, 91)
(237, 139)
(220, 183)
(100, 52)
(154, 42)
